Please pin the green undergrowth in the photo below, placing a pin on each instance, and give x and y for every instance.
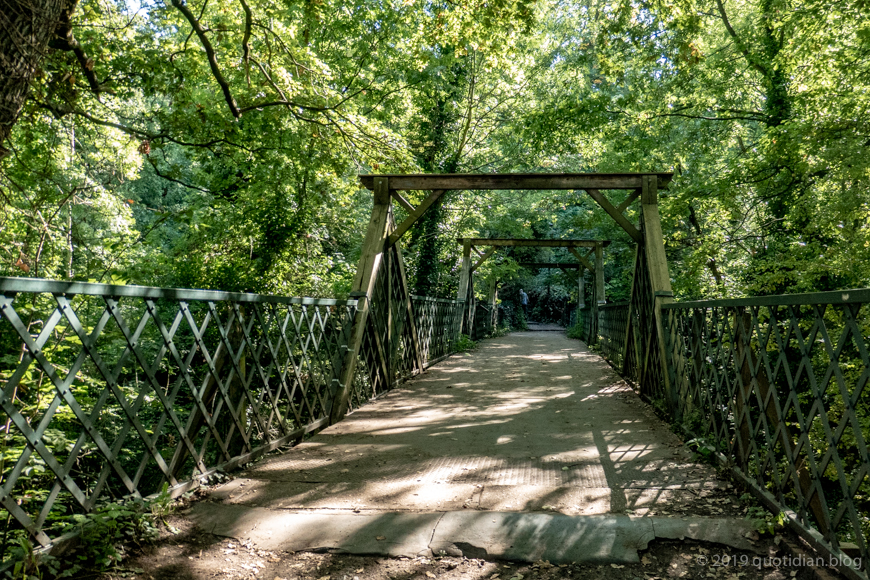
(520, 322)
(709, 449)
(464, 344)
(101, 540)
(764, 520)
(576, 332)
(500, 331)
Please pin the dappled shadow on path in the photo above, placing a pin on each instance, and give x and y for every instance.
(532, 421)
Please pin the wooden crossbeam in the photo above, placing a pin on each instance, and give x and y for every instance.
(416, 213)
(545, 181)
(551, 265)
(534, 243)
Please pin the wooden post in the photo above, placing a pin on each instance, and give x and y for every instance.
(629, 328)
(472, 313)
(598, 298)
(490, 301)
(660, 280)
(493, 310)
(581, 293)
(599, 273)
(464, 282)
(388, 298)
(593, 316)
(371, 259)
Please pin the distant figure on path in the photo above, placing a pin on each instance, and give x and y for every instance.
(524, 301)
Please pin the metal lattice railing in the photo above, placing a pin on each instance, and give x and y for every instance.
(437, 326)
(482, 321)
(109, 391)
(645, 365)
(779, 385)
(566, 317)
(586, 325)
(572, 318)
(613, 325)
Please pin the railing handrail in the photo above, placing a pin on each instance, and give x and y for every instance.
(607, 305)
(851, 296)
(431, 299)
(40, 285)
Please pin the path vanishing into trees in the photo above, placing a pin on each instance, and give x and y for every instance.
(529, 448)
(530, 422)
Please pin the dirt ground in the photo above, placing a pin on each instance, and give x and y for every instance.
(193, 555)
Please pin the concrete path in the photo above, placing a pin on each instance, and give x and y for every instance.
(539, 326)
(530, 422)
(519, 537)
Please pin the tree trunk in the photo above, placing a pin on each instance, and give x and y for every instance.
(26, 27)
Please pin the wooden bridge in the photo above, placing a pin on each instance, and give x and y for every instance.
(110, 391)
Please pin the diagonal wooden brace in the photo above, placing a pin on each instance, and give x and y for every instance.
(371, 260)
(489, 252)
(415, 214)
(616, 214)
(586, 263)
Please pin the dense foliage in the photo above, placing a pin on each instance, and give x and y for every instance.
(217, 144)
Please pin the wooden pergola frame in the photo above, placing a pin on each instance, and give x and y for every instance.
(596, 248)
(651, 267)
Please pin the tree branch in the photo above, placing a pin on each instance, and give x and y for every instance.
(705, 118)
(212, 59)
(753, 62)
(284, 104)
(141, 133)
(246, 47)
(67, 42)
(173, 180)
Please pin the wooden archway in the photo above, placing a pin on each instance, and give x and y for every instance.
(381, 286)
(595, 250)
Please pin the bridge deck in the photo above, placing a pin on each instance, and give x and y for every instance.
(529, 422)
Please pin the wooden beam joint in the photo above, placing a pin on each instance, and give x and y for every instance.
(489, 252)
(415, 215)
(583, 261)
(617, 215)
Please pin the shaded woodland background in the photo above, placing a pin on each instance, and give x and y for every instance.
(216, 144)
